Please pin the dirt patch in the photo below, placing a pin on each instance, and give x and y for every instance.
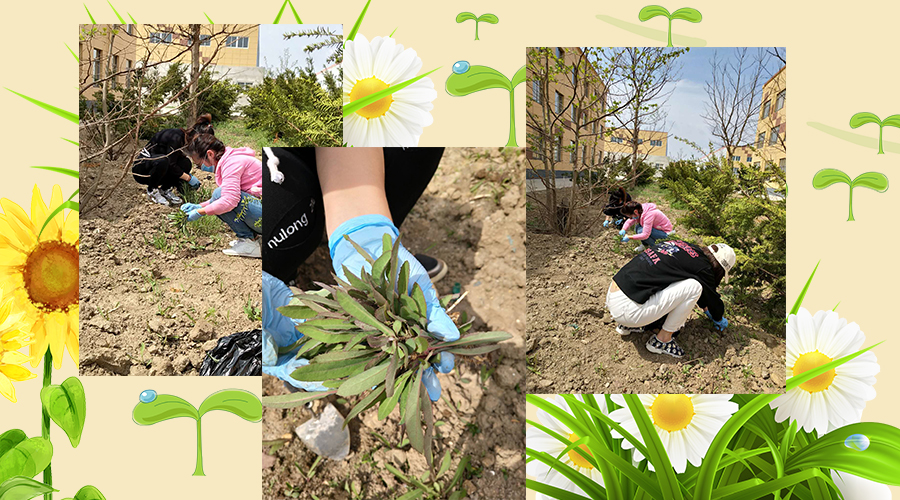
(573, 346)
(154, 299)
(471, 216)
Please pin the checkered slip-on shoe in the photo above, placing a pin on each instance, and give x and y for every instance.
(671, 348)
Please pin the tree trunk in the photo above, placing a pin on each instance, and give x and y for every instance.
(195, 72)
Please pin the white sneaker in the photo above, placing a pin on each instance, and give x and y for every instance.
(157, 197)
(245, 247)
(625, 330)
(640, 248)
(172, 196)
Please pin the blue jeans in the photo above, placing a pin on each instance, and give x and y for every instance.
(246, 218)
(655, 234)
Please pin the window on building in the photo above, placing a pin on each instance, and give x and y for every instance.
(765, 110)
(761, 140)
(783, 164)
(237, 42)
(779, 101)
(572, 152)
(557, 154)
(654, 142)
(536, 91)
(98, 60)
(560, 52)
(773, 137)
(536, 145)
(165, 38)
(128, 65)
(640, 141)
(756, 165)
(574, 114)
(617, 140)
(735, 158)
(594, 128)
(113, 69)
(574, 75)
(129, 29)
(204, 40)
(749, 158)
(559, 104)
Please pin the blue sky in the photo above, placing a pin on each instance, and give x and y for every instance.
(272, 45)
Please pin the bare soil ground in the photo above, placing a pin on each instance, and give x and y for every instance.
(472, 216)
(573, 346)
(154, 299)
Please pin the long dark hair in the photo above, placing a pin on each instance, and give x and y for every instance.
(203, 143)
(629, 208)
(203, 125)
(717, 269)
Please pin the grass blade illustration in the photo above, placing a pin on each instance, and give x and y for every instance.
(467, 79)
(281, 11)
(89, 14)
(117, 12)
(829, 176)
(68, 115)
(358, 23)
(684, 14)
(358, 104)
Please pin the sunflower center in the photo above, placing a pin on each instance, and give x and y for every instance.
(672, 412)
(365, 88)
(577, 459)
(811, 361)
(51, 276)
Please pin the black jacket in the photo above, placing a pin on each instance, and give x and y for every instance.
(665, 263)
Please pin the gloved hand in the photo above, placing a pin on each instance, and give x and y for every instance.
(444, 365)
(625, 239)
(366, 231)
(606, 223)
(721, 325)
(193, 215)
(708, 315)
(279, 331)
(207, 168)
(622, 232)
(187, 207)
(194, 182)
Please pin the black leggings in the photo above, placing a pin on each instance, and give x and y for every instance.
(160, 171)
(293, 214)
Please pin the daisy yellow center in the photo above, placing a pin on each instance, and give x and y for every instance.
(577, 459)
(51, 276)
(365, 88)
(811, 361)
(672, 412)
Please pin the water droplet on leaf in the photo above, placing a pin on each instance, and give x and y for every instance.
(460, 67)
(148, 396)
(857, 442)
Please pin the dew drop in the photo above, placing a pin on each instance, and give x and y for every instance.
(857, 442)
(148, 396)
(460, 67)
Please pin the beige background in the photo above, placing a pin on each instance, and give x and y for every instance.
(842, 63)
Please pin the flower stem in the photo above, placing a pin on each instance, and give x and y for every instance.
(198, 470)
(45, 421)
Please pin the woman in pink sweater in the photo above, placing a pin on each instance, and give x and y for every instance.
(237, 199)
(652, 224)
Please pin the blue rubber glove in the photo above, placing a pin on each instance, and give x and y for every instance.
(188, 207)
(708, 315)
(366, 231)
(721, 325)
(207, 169)
(625, 239)
(279, 331)
(432, 385)
(622, 232)
(606, 223)
(193, 215)
(194, 182)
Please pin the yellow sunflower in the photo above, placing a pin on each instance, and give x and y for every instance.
(41, 273)
(11, 340)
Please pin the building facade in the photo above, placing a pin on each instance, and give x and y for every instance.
(653, 146)
(105, 50)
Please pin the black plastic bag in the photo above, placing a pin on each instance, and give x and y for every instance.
(239, 354)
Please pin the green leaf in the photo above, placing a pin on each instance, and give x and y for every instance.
(73, 55)
(22, 488)
(891, 121)
(687, 14)
(358, 22)
(429, 428)
(360, 250)
(358, 104)
(445, 464)
(799, 301)
(65, 403)
(120, 17)
(412, 417)
(872, 180)
(390, 403)
(72, 117)
(473, 339)
(10, 438)
(651, 11)
(879, 462)
(553, 491)
(487, 18)
(808, 375)
(419, 297)
(297, 312)
(476, 351)
(862, 118)
(475, 79)
(668, 483)
(89, 14)
(829, 176)
(26, 457)
(294, 399)
(403, 280)
(331, 324)
(325, 336)
(366, 403)
(464, 16)
(342, 355)
(379, 266)
(317, 371)
(774, 485)
(391, 371)
(364, 381)
(71, 205)
(412, 494)
(242, 403)
(355, 309)
(132, 19)
(518, 78)
(89, 493)
(64, 171)
(164, 407)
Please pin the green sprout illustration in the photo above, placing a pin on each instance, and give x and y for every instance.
(484, 18)
(860, 119)
(684, 14)
(155, 408)
(467, 79)
(871, 180)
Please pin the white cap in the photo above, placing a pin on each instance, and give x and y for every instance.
(725, 255)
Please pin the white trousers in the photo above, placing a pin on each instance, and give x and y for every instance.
(677, 300)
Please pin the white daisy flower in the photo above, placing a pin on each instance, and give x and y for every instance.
(398, 119)
(686, 423)
(857, 488)
(838, 397)
(541, 441)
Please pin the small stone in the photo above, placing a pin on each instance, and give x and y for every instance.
(155, 325)
(203, 331)
(326, 435)
(507, 376)
(181, 363)
(108, 359)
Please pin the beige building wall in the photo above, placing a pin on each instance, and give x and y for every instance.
(650, 143)
(771, 130)
(591, 146)
(96, 43)
(162, 42)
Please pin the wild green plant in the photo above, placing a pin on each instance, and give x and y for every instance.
(484, 18)
(430, 486)
(872, 180)
(862, 118)
(368, 334)
(685, 14)
(467, 79)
